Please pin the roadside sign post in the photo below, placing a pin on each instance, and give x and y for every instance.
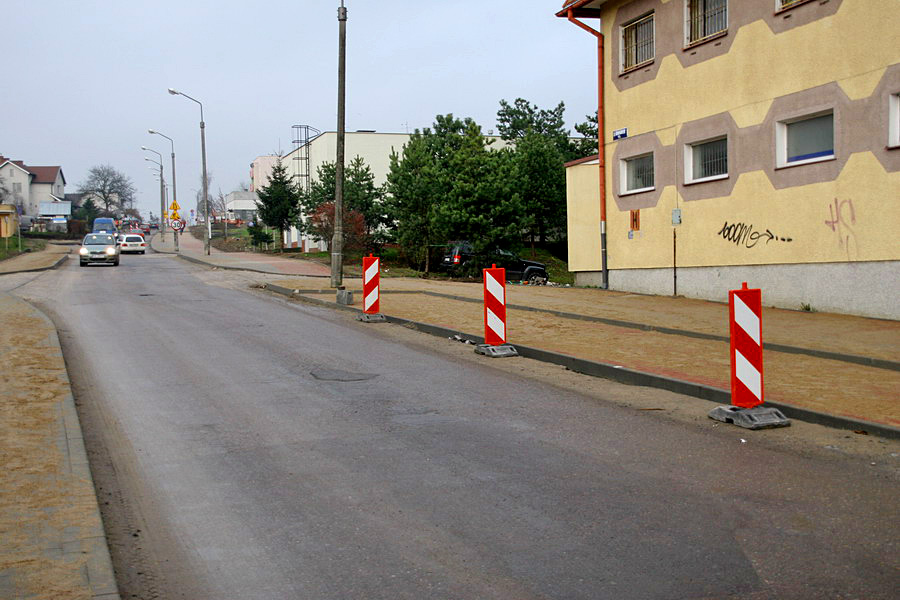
(746, 349)
(495, 344)
(371, 290)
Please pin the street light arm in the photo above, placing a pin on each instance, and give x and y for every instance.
(177, 93)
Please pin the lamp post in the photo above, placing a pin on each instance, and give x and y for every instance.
(162, 199)
(174, 186)
(337, 242)
(203, 159)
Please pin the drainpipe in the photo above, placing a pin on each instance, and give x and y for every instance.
(600, 145)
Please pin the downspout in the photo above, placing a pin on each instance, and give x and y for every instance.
(600, 145)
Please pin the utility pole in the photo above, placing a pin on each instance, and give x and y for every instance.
(337, 242)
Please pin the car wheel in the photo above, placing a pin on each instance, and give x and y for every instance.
(537, 278)
(116, 263)
(82, 264)
(143, 252)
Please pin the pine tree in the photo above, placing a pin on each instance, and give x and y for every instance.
(279, 202)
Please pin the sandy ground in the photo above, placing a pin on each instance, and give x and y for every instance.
(45, 507)
(830, 386)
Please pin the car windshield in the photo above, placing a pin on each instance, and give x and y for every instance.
(99, 240)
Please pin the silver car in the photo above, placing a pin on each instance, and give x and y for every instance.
(99, 248)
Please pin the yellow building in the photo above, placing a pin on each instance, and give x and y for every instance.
(745, 140)
(9, 220)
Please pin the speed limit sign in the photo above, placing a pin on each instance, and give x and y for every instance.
(177, 224)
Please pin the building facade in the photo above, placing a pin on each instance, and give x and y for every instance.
(260, 170)
(31, 186)
(745, 141)
(241, 205)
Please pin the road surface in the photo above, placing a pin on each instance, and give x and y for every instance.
(247, 447)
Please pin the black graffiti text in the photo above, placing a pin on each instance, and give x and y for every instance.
(743, 234)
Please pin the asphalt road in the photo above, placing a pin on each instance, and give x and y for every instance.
(257, 448)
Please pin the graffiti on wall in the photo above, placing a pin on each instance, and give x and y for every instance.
(842, 219)
(743, 234)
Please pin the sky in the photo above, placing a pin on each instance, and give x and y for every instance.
(84, 81)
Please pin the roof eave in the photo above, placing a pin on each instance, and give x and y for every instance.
(578, 8)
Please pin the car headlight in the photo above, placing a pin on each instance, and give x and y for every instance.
(110, 251)
(83, 250)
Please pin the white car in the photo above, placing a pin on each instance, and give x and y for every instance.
(132, 243)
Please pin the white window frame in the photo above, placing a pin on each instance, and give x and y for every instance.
(687, 26)
(689, 160)
(781, 5)
(781, 142)
(623, 175)
(894, 120)
(622, 51)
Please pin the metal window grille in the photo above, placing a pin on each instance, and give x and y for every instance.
(706, 18)
(710, 159)
(637, 42)
(639, 172)
(786, 3)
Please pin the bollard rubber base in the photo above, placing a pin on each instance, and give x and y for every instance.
(500, 351)
(371, 318)
(758, 417)
(345, 297)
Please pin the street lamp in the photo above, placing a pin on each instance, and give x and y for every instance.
(174, 186)
(203, 158)
(162, 199)
(337, 242)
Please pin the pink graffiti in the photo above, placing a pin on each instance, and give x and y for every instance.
(843, 215)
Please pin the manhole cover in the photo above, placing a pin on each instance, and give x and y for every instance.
(338, 375)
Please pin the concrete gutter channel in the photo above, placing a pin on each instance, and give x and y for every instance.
(630, 376)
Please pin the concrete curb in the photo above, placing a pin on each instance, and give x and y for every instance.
(99, 570)
(61, 260)
(867, 361)
(622, 374)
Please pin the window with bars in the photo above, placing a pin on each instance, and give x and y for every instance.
(707, 160)
(637, 42)
(803, 140)
(705, 18)
(787, 3)
(637, 173)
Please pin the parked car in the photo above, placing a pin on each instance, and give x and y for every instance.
(99, 248)
(459, 257)
(145, 228)
(132, 243)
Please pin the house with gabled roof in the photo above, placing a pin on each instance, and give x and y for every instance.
(31, 186)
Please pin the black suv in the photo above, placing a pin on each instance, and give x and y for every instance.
(459, 256)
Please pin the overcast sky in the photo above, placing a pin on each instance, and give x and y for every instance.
(85, 80)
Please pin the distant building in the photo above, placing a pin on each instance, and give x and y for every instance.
(241, 205)
(744, 141)
(30, 186)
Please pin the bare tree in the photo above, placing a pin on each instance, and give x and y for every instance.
(201, 206)
(109, 187)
